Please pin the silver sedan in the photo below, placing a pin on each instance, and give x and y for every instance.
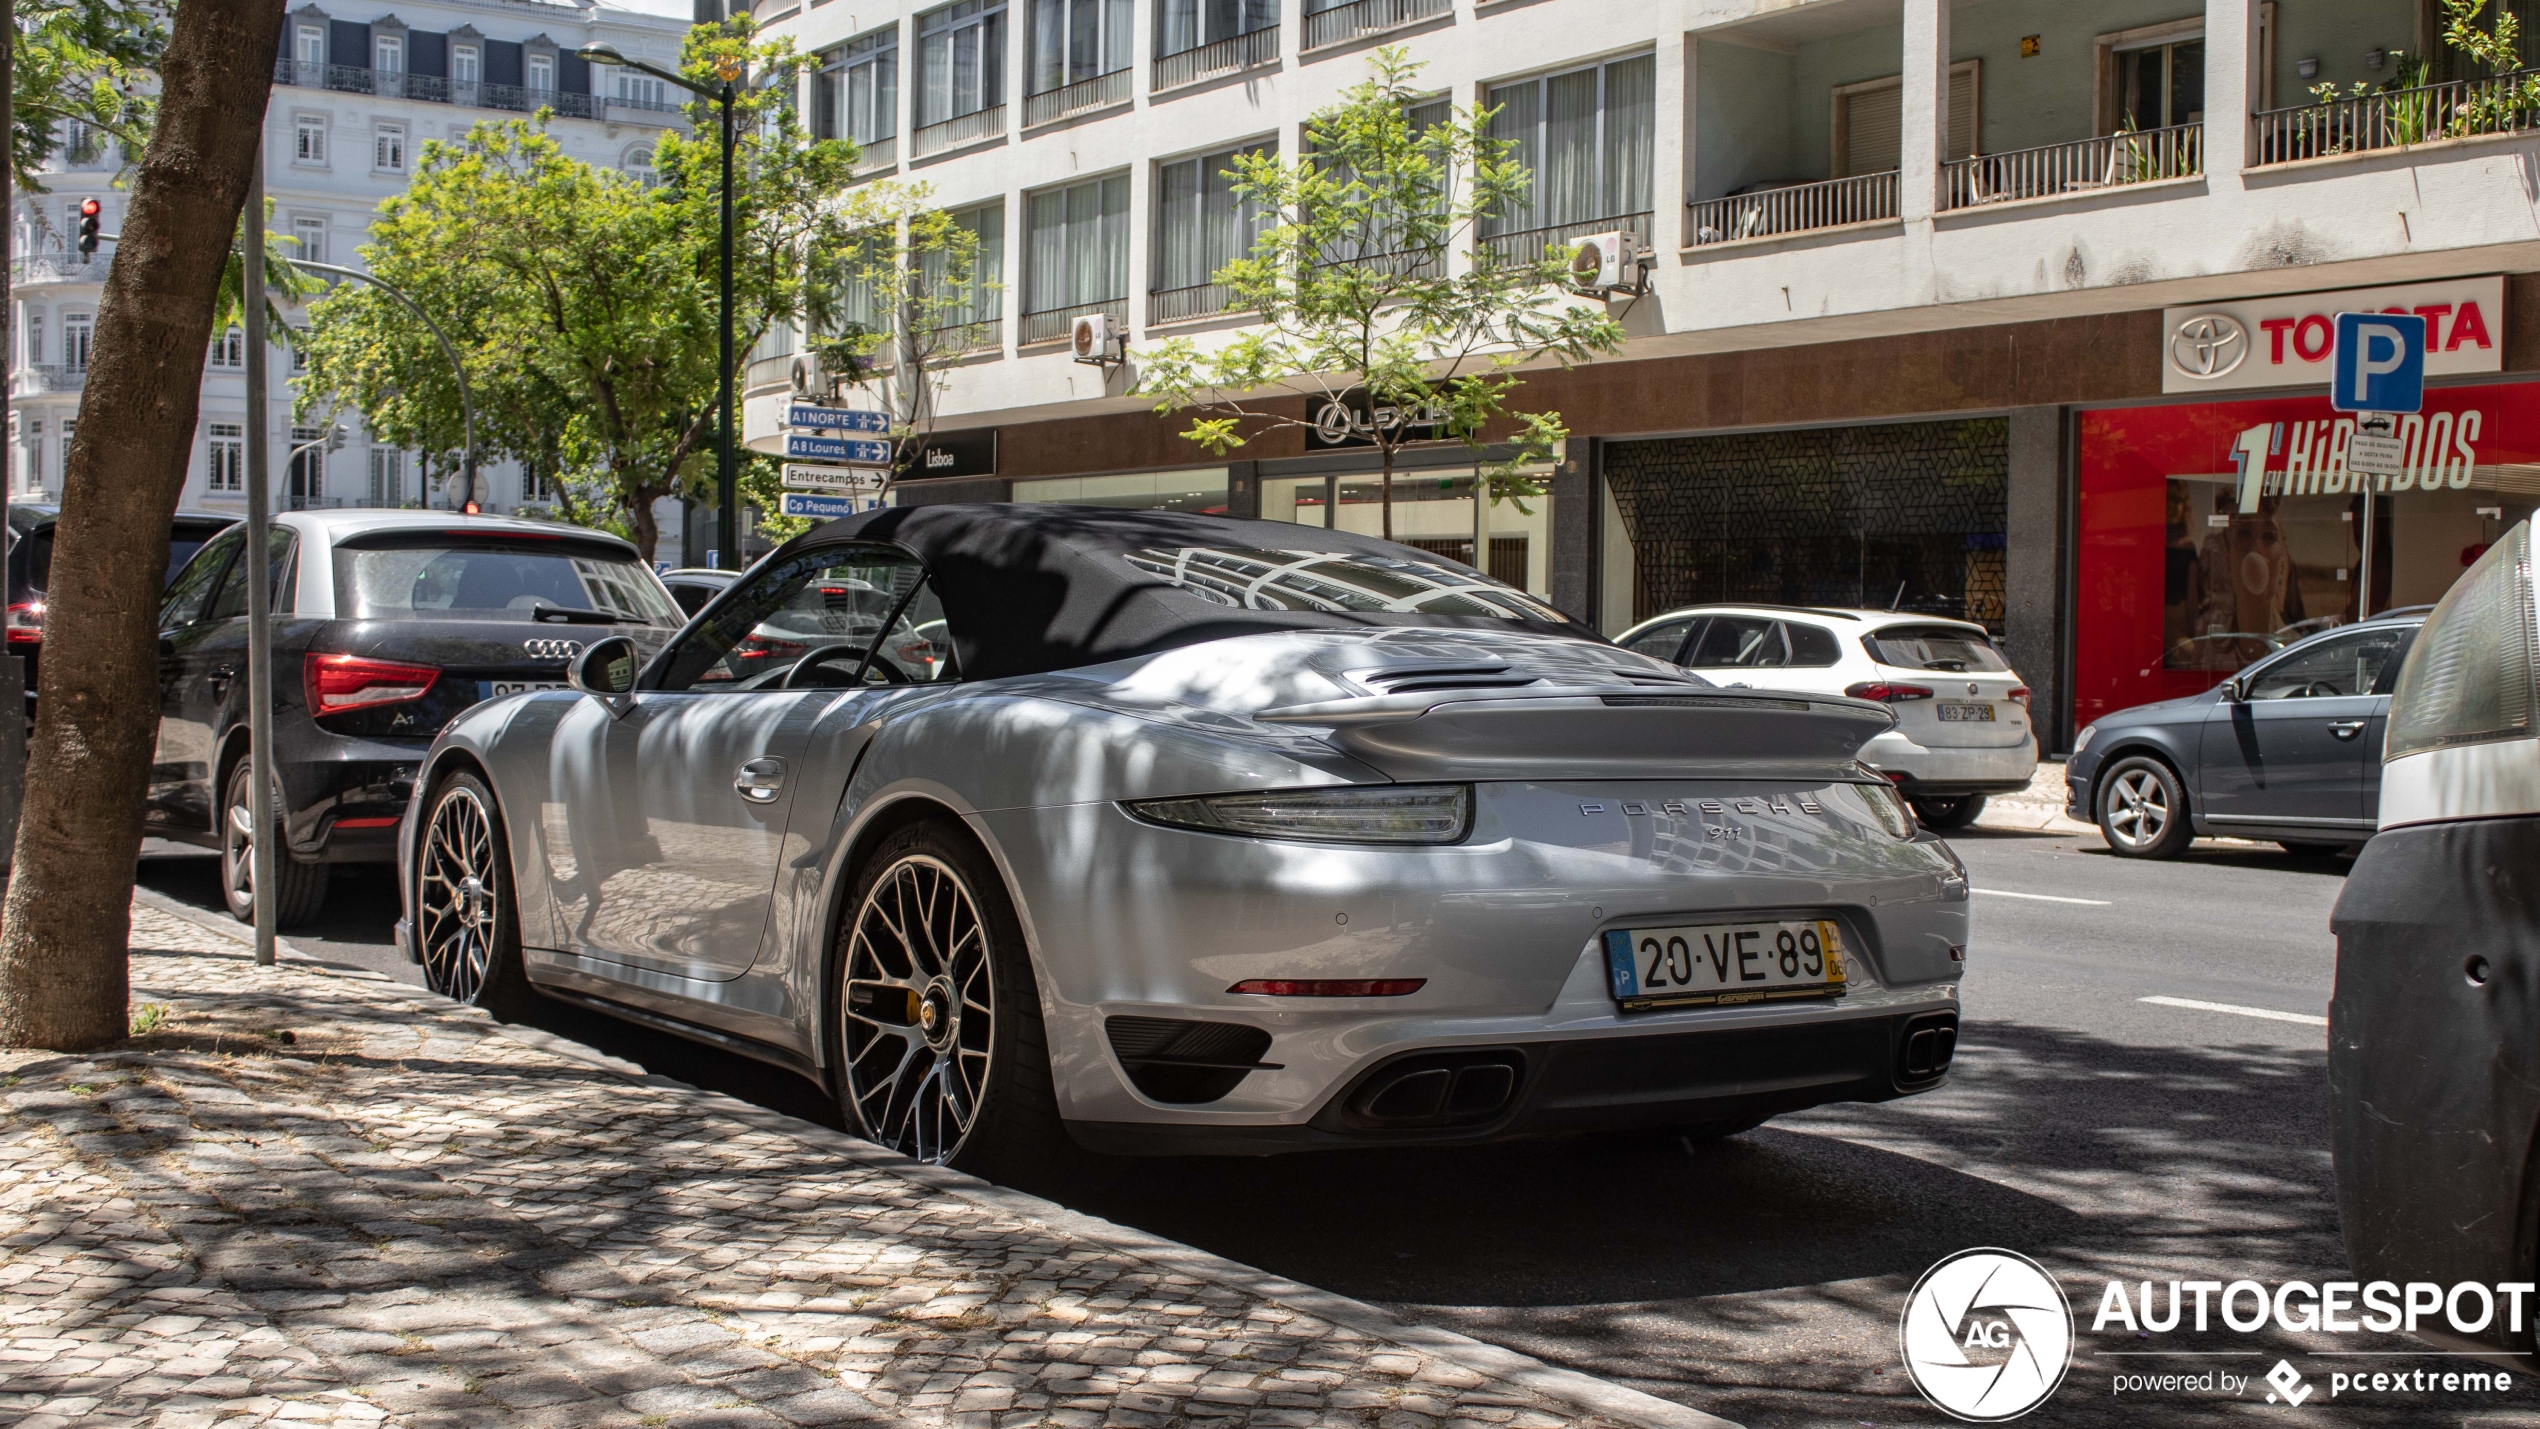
(1165, 833)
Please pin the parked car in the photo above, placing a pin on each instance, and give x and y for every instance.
(1185, 834)
(1962, 728)
(30, 571)
(2288, 749)
(387, 624)
(693, 586)
(2433, 1036)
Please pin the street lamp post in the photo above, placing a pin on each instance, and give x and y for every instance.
(727, 523)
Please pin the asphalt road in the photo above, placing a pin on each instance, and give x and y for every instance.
(1762, 1278)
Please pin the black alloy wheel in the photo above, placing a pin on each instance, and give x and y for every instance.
(2143, 810)
(299, 889)
(467, 927)
(1945, 815)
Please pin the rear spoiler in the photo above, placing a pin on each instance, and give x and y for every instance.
(1599, 732)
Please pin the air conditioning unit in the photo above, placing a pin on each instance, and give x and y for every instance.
(811, 379)
(1607, 263)
(1099, 340)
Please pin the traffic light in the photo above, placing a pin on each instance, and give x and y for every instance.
(91, 213)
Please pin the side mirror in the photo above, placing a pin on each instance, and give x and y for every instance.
(605, 668)
(2234, 692)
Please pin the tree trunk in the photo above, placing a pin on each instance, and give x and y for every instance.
(63, 974)
(647, 530)
(1384, 489)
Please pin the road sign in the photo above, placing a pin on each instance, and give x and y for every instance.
(832, 478)
(821, 505)
(847, 450)
(2375, 448)
(2379, 363)
(807, 416)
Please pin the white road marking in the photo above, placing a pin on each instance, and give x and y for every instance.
(2045, 898)
(2269, 1013)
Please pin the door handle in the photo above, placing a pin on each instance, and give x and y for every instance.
(2346, 728)
(759, 779)
(221, 676)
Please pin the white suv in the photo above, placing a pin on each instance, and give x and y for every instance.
(1962, 728)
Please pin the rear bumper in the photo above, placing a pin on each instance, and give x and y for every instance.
(346, 811)
(1949, 769)
(1596, 1084)
(2434, 1080)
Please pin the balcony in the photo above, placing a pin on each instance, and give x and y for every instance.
(1101, 92)
(433, 89)
(2396, 118)
(964, 339)
(1181, 305)
(1361, 18)
(1530, 245)
(57, 267)
(2110, 161)
(962, 129)
(43, 377)
(1793, 208)
(873, 155)
(1056, 324)
(1231, 55)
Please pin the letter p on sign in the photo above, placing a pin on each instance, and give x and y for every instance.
(2379, 363)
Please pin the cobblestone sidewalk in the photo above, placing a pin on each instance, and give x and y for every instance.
(309, 1197)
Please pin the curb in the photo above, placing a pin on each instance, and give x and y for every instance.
(1583, 1391)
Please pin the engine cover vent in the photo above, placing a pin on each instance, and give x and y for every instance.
(1186, 1062)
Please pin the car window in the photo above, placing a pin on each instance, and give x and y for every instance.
(468, 575)
(1410, 582)
(2398, 658)
(692, 595)
(193, 586)
(1953, 649)
(1811, 645)
(2340, 665)
(1662, 640)
(231, 604)
(1740, 642)
(918, 651)
(831, 599)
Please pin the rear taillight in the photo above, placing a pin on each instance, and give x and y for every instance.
(760, 647)
(2020, 693)
(338, 683)
(1887, 691)
(26, 623)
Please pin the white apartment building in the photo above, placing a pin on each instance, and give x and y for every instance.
(358, 90)
(1964, 307)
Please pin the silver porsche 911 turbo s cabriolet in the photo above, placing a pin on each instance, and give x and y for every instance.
(1170, 833)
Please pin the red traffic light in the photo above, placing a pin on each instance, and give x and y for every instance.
(471, 509)
(90, 208)
(89, 211)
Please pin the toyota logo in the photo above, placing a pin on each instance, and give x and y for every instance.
(2208, 346)
(552, 649)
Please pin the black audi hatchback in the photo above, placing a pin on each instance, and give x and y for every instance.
(386, 625)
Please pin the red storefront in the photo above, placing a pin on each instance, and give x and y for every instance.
(2182, 576)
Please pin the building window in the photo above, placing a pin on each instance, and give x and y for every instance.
(308, 140)
(1587, 137)
(1188, 24)
(306, 479)
(79, 332)
(298, 343)
(34, 336)
(1079, 249)
(2164, 84)
(961, 55)
(984, 304)
(1869, 122)
(466, 64)
(310, 233)
(70, 432)
(542, 73)
(536, 485)
(857, 93)
(230, 349)
(388, 148)
(1200, 227)
(387, 478)
(310, 46)
(641, 90)
(1075, 40)
(388, 54)
(638, 163)
(226, 457)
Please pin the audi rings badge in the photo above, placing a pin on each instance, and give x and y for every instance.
(2208, 346)
(552, 649)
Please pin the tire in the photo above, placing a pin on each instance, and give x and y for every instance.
(2143, 810)
(467, 924)
(1947, 815)
(299, 892)
(906, 1016)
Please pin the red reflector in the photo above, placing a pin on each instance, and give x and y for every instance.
(337, 683)
(386, 823)
(1887, 691)
(1331, 987)
(26, 623)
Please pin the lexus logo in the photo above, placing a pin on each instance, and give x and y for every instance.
(552, 649)
(2208, 346)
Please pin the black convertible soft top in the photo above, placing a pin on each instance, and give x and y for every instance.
(1031, 588)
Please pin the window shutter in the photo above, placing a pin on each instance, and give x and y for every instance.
(1873, 130)
(1962, 110)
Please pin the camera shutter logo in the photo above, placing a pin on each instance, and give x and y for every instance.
(2208, 346)
(551, 649)
(1987, 1335)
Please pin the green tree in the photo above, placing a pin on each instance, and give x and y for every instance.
(1356, 288)
(584, 302)
(79, 65)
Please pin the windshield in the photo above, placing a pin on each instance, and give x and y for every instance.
(491, 578)
(1951, 648)
(1250, 578)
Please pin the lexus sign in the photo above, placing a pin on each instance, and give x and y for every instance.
(2287, 342)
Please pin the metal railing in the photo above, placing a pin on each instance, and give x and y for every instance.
(2109, 161)
(1057, 323)
(962, 339)
(52, 377)
(2502, 104)
(1226, 56)
(1177, 305)
(1829, 203)
(959, 130)
(1343, 23)
(1405, 263)
(1529, 245)
(475, 94)
(879, 153)
(1099, 92)
(39, 266)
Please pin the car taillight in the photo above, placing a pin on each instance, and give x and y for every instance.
(26, 623)
(2020, 693)
(1330, 987)
(337, 683)
(1887, 691)
(759, 647)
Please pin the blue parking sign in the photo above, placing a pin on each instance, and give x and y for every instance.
(2379, 363)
